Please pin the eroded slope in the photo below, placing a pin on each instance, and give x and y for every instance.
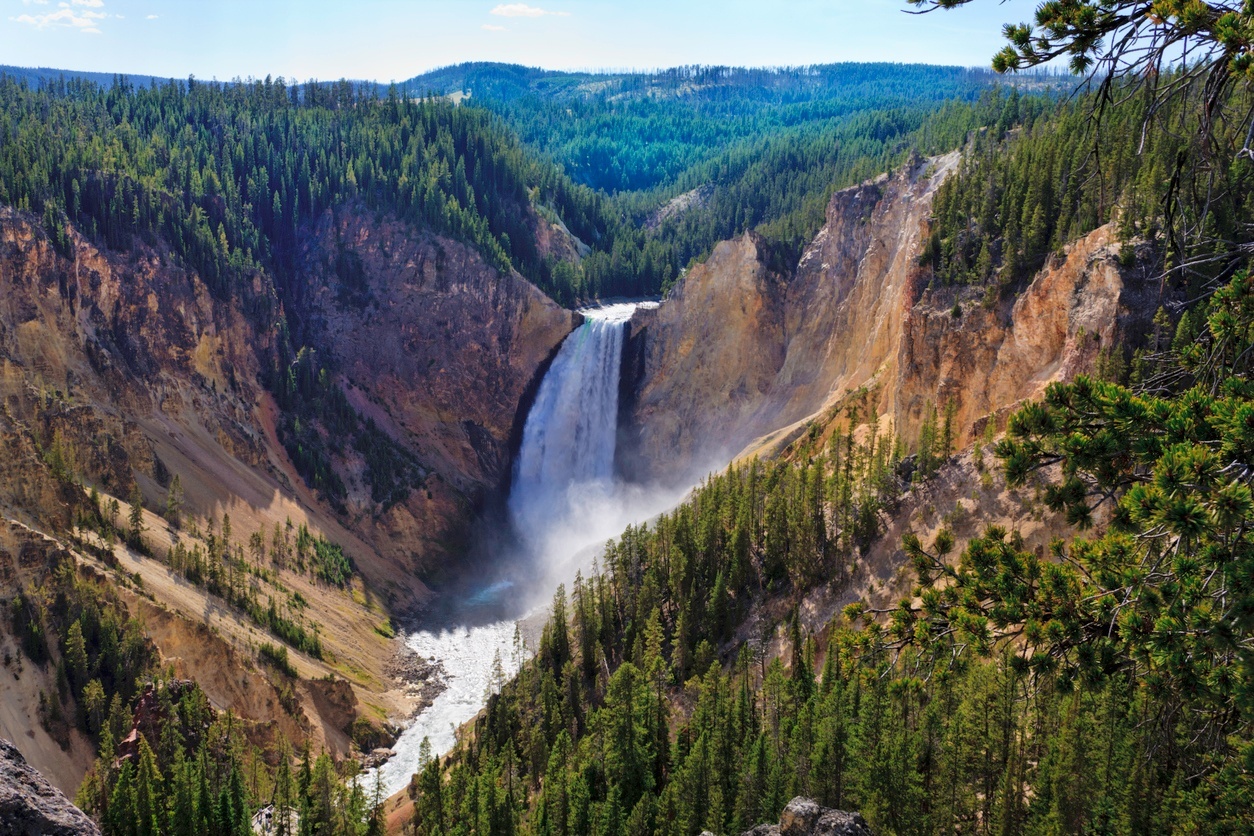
(739, 359)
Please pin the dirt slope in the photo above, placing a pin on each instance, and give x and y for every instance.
(123, 369)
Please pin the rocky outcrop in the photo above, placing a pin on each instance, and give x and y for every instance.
(30, 806)
(150, 716)
(804, 817)
(739, 359)
(986, 358)
(695, 199)
(738, 351)
(437, 345)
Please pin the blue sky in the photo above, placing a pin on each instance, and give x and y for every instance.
(396, 39)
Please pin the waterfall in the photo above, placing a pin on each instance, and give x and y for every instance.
(564, 500)
(567, 453)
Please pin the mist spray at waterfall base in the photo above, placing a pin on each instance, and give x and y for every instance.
(565, 504)
(565, 499)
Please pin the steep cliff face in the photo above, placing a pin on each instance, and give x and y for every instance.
(705, 361)
(739, 360)
(122, 370)
(438, 340)
(989, 358)
(94, 343)
(441, 351)
(736, 352)
(853, 288)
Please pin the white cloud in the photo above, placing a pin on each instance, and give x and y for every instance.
(492, 27)
(94, 4)
(523, 10)
(153, 17)
(85, 21)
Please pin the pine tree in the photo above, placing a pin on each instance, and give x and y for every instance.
(135, 521)
(174, 502)
(284, 797)
(76, 655)
(120, 816)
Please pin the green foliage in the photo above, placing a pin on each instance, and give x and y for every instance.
(223, 570)
(330, 564)
(1157, 606)
(1129, 36)
(1103, 687)
(780, 182)
(632, 133)
(203, 776)
(391, 470)
(103, 653)
(1048, 173)
(135, 520)
(228, 173)
(584, 741)
(277, 656)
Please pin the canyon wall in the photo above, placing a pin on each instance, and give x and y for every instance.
(443, 353)
(123, 369)
(739, 359)
(986, 359)
(436, 345)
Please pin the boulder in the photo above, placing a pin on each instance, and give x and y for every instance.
(799, 817)
(30, 806)
(804, 817)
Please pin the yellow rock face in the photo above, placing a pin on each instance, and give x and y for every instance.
(739, 359)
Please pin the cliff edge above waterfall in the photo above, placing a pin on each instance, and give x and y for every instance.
(738, 351)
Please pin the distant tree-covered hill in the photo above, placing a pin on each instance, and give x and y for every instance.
(766, 147)
(633, 131)
(40, 76)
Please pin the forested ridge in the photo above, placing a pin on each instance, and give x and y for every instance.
(1045, 174)
(1102, 686)
(227, 174)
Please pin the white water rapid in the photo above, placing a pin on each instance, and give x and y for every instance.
(564, 501)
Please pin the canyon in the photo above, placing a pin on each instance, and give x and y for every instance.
(135, 372)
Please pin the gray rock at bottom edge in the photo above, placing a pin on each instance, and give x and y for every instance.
(31, 806)
(804, 817)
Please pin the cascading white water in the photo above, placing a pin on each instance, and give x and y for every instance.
(569, 438)
(563, 499)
